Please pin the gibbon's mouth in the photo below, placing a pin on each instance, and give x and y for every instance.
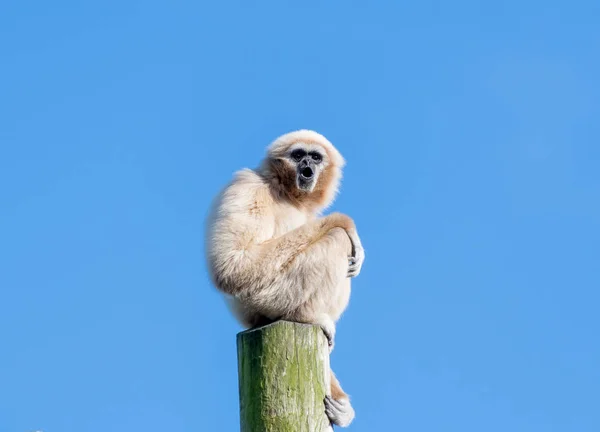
(305, 184)
(307, 173)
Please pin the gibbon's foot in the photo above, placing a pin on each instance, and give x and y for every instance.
(328, 326)
(330, 337)
(340, 412)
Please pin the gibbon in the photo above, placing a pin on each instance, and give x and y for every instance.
(272, 255)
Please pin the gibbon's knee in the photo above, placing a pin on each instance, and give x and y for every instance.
(326, 260)
(333, 247)
(339, 220)
(341, 240)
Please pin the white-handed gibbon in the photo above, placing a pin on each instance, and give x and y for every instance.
(274, 257)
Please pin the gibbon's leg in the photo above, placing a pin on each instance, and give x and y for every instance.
(333, 306)
(299, 273)
(329, 310)
(338, 304)
(337, 406)
(333, 249)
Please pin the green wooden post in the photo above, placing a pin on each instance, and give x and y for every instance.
(283, 371)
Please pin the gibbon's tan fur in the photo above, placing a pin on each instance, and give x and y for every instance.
(272, 255)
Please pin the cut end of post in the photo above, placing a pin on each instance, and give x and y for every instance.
(284, 375)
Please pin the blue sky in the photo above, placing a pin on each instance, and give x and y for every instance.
(473, 147)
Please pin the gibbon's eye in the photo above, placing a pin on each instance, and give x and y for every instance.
(298, 154)
(316, 157)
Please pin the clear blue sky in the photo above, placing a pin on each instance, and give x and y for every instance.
(473, 145)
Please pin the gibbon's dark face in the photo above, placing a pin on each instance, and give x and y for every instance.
(309, 163)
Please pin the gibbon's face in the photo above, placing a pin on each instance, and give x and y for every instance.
(308, 162)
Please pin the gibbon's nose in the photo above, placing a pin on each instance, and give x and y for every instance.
(307, 172)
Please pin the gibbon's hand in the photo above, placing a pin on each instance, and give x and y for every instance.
(353, 267)
(355, 261)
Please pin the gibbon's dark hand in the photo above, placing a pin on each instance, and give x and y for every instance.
(355, 261)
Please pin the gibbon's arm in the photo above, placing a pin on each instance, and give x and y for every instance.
(307, 263)
(292, 268)
(294, 244)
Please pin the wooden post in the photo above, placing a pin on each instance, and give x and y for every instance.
(284, 375)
